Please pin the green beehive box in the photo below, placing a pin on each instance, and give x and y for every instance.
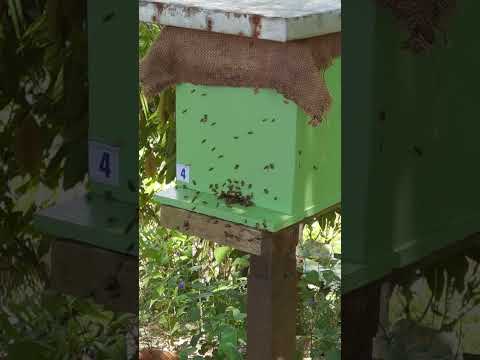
(412, 137)
(261, 144)
(106, 216)
(254, 142)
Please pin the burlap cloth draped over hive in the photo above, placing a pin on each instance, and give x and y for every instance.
(295, 69)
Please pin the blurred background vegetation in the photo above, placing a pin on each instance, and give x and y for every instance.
(43, 159)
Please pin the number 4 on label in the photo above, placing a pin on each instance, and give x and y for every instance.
(105, 164)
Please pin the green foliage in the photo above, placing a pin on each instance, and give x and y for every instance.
(157, 136)
(43, 108)
(60, 327)
(187, 294)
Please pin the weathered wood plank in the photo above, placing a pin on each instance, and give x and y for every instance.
(85, 271)
(223, 232)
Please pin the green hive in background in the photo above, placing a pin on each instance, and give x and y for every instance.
(107, 216)
(261, 143)
(413, 150)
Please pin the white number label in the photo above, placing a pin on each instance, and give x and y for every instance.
(183, 173)
(103, 163)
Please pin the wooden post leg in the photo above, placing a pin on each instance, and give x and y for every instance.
(360, 315)
(272, 298)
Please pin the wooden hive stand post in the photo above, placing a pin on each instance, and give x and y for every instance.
(272, 282)
(272, 297)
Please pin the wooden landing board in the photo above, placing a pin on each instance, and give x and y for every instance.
(223, 232)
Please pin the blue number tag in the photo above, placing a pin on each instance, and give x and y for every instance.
(105, 164)
(183, 173)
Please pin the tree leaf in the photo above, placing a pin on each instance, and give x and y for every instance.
(221, 253)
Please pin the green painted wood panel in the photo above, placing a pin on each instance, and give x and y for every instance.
(262, 143)
(411, 138)
(97, 219)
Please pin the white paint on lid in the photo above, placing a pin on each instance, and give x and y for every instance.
(278, 20)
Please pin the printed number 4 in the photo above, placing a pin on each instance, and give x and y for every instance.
(105, 164)
(183, 174)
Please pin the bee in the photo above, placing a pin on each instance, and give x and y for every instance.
(250, 132)
(273, 120)
(299, 152)
(204, 119)
(242, 183)
(213, 149)
(204, 94)
(204, 202)
(236, 167)
(275, 198)
(213, 124)
(235, 137)
(315, 167)
(220, 156)
(211, 169)
(250, 186)
(203, 141)
(184, 111)
(108, 17)
(265, 191)
(194, 182)
(192, 91)
(265, 120)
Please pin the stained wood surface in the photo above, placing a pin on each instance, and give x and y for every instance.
(272, 298)
(223, 232)
(85, 271)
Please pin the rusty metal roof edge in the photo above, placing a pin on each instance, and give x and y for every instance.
(246, 24)
(168, 3)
